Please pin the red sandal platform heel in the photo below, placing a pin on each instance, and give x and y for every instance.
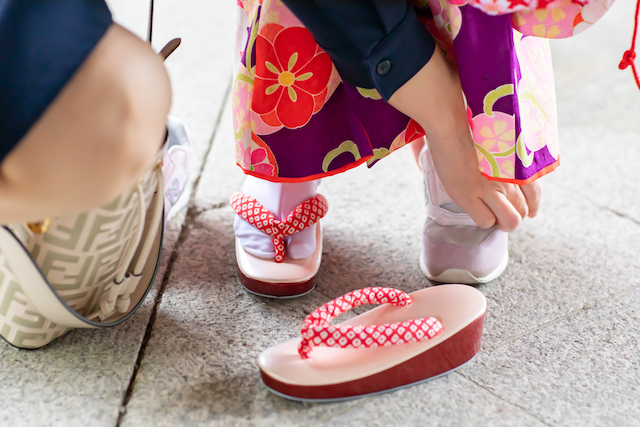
(410, 339)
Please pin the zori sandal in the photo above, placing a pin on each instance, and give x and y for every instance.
(440, 329)
(282, 277)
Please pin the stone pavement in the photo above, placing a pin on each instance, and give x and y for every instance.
(561, 341)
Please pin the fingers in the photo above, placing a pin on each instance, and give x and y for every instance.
(511, 203)
(481, 214)
(515, 196)
(507, 216)
(533, 194)
(498, 203)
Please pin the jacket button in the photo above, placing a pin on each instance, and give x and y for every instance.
(383, 67)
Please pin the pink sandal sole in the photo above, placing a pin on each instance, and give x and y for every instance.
(289, 279)
(331, 373)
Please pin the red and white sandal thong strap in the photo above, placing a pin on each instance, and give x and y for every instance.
(316, 330)
(305, 215)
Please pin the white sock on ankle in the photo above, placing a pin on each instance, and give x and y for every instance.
(281, 199)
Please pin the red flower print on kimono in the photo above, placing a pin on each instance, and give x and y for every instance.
(414, 131)
(291, 73)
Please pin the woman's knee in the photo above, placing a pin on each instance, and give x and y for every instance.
(139, 98)
(131, 98)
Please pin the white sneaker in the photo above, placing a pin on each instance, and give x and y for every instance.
(177, 168)
(454, 249)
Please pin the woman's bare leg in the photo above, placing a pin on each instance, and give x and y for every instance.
(97, 137)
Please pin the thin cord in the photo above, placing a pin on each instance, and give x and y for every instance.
(150, 33)
(628, 58)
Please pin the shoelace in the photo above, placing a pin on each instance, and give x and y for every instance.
(628, 58)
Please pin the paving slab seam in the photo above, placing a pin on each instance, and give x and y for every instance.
(584, 196)
(609, 209)
(184, 234)
(189, 223)
(620, 214)
(584, 308)
(500, 398)
(199, 210)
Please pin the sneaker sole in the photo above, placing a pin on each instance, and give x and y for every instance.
(455, 275)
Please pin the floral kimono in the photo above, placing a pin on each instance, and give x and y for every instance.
(296, 120)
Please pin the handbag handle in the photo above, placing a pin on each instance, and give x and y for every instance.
(169, 47)
(150, 28)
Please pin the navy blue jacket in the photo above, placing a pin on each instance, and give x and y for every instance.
(373, 43)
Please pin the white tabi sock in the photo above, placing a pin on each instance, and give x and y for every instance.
(280, 198)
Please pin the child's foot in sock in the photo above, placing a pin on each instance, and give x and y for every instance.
(280, 199)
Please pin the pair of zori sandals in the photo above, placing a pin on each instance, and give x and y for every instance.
(410, 338)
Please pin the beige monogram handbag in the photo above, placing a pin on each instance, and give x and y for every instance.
(81, 271)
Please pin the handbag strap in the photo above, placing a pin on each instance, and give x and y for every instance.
(170, 47)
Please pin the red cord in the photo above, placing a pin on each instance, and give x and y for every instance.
(628, 58)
